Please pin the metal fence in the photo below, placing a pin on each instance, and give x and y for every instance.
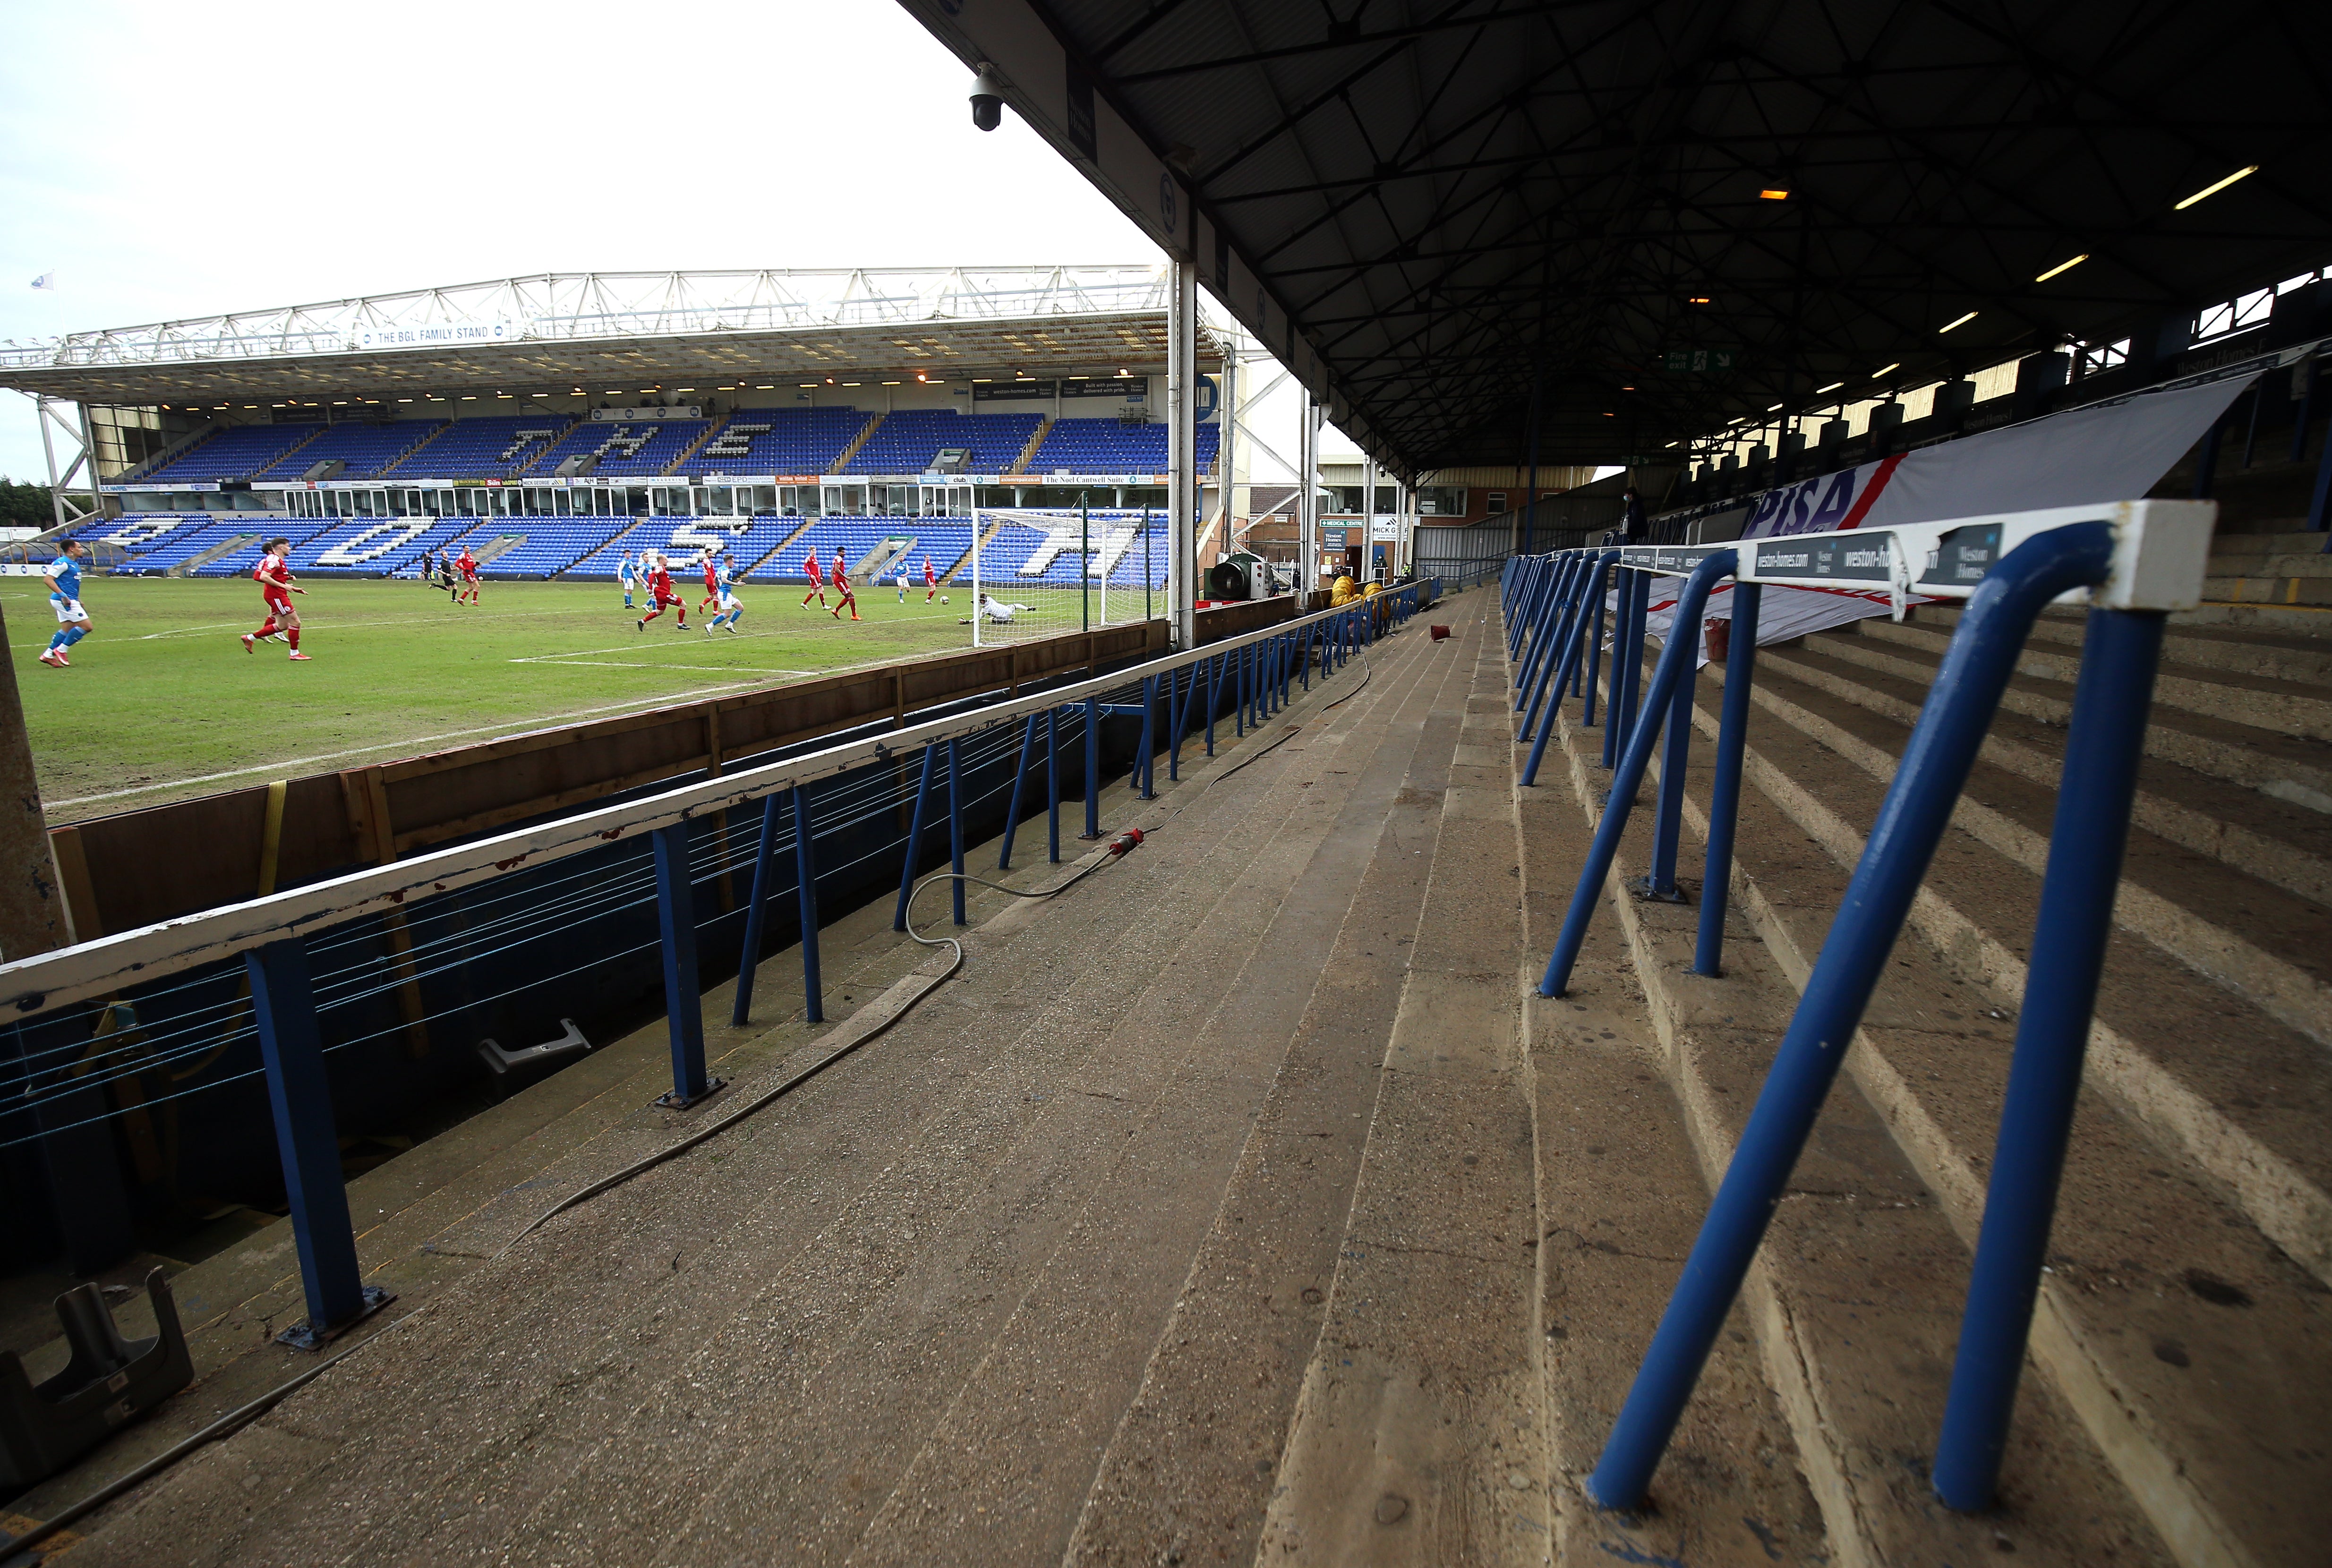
(340, 955)
(2132, 563)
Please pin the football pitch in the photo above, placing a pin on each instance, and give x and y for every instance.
(161, 701)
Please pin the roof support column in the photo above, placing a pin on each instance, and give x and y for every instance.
(1307, 492)
(1182, 452)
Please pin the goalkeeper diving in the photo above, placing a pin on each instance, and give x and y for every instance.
(994, 610)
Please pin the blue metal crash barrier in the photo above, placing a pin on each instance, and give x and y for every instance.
(273, 938)
(2133, 562)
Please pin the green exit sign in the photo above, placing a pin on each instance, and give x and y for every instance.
(1700, 361)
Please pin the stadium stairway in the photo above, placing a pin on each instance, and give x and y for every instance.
(1068, 1266)
(1036, 440)
(2182, 1354)
(841, 463)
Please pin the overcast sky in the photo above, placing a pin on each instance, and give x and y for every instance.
(168, 160)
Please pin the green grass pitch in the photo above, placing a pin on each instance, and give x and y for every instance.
(161, 701)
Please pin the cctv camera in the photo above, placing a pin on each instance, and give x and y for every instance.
(987, 98)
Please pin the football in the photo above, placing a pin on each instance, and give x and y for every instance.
(942, 599)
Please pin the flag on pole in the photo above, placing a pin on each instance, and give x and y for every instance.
(45, 281)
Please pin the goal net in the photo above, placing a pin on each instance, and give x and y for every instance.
(1038, 573)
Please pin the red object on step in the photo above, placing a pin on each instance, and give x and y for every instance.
(1720, 641)
(1126, 841)
(1438, 632)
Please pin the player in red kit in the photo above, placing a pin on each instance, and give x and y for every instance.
(712, 580)
(661, 590)
(273, 576)
(468, 567)
(842, 587)
(931, 580)
(816, 583)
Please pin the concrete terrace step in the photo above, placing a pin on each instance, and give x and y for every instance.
(2275, 840)
(1621, 1194)
(2155, 1270)
(2285, 655)
(2292, 768)
(1854, 1300)
(2286, 707)
(2295, 590)
(2246, 1120)
(830, 1332)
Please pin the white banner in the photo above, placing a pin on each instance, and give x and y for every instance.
(2114, 451)
(434, 335)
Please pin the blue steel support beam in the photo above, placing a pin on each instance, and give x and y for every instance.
(805, 886)
(955, 826)
(1053, 785)
(1934, 766)
(1628, 656)
(1093, 768)
(1145, 761)
(1019, 777)
(1600, 591)
(1549, 613)
(1667, 820)
(914, 837)
(1628, 776)
(2103, 745)
(683, 996)
(307, 1137)
(1214, 697)
(764, 873)
(1724, 789)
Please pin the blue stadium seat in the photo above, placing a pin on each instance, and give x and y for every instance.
(1106, 447)
(911, 440)
(685, 541)
(779, 441)
(232, 452)
(369, 449)
(625, 449)
(491, 446)
(362, 547)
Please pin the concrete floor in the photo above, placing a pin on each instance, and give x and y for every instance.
(1196, 1219)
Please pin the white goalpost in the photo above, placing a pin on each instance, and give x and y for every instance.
(1026, 580)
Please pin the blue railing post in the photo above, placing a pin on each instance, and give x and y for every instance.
(914, 837)
(1607, 566)
(1911, 820)
(1214, 697)
(1053, 785)
(308, 1139)
(1548, 611)
(1561, 673)
(1554, 643)
(1093, 768)
(1552, 610)
(1627, 657)
(764, 854)
(805, 887)
(1178, 693)
(1145, 763)
(683, 1000)
(955, 825)
(1628, 776)
(2103, 745)
(1238, 692)
(1724, 789)
(1667, 820)
(1019, 777)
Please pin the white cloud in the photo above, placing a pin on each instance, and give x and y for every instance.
(183, 160)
